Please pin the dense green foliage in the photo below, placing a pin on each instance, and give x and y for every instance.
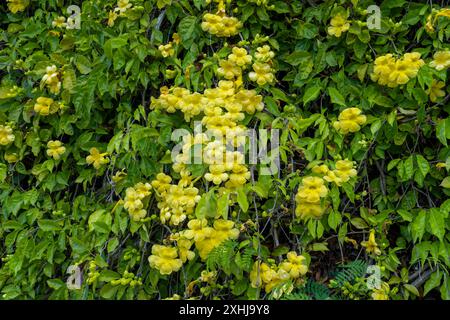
(67, 208)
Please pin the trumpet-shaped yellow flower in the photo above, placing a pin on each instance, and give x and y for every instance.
(44, 106)
(221, 25)
(264, 54)
(240, 57)
(165, 259)
(312, 189)
(166, 50)
(6, 135)
(228, 69)
(371, 245)
(435, 91)
(59, 22)
(262, 73)
(96, 158)
(295, 265)
(394, 72)
(339, 24)
(55, 149)
(349, 120)
(51, 79)
(441, 60)
(17, 5)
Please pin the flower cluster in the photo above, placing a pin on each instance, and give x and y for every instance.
(128, 278)
(393, 72)
(308, 198)
(119, 10)
(207, 238)
(220, 24)
(262, 69)
(349, 120)
(165, 259)
(343, 173)
(51, 79)
(223, 108)
(433, 16)
(6, 135)
(135, 198)
(338, 25)
(55, 149)
(168, 50)
(96, 158)
(46, 106)
(175, 201)
(271, 276)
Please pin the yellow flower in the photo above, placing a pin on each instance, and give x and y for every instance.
(295, 265)
(306, 210)
(17, 5)
(322, 169)
(403, 72)
(176, 38)
(225, 230)
(166, 50)
(339, 24)
(349, 120)
(216, 174)
(184, 246)
(240, 57)
(262, 73)
(119, 176)
(162, 182)
(441, 60)
(382, 293)
(393, 72)
(344, 170)
(435, 91)
(123, 5)
(96, 158)
(228, 69)
(112, 16)
(165, 259)
(312, 189)
(371, 245)
(59, 22)
(55, 149)
(221, 26)
(6, 135)
(42, 106)
(331, 176)
(261, 274)
(264, 54)
(51, 79)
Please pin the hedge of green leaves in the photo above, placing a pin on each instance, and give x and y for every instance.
(88, 104)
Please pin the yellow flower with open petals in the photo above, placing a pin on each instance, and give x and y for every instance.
(435, 91)
(339, 24)
(441, 60)
(55, 149)
(165, 259)
(17, 5)
(6, 135)
(96, 158)
(371, 245)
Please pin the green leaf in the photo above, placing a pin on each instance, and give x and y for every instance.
(242, 199)
(446, 182)
(222, 205)
(336, 96)
(83, 64)
(412, 289)
(418, 225)
(311, 94)
(437, 223)
(186, 27)
(432, 282)
(443, 130)
(49, 225)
